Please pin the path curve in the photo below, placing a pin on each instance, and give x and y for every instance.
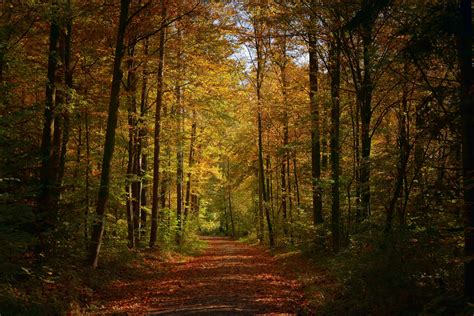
(229, 278)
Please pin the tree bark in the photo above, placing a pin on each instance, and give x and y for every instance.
(142, 142)
(156, 152)
(47, 211)
(334, 65)
(180, 141)
(315, 144)
(364, 96)
(68, 80)
(133, 198)
(190, 165)
(99, 221)
(403, 157)
(263, 196)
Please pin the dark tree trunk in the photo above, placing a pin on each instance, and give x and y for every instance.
(47, 212)
(156, 152)
(297, 188)
(190, 165)
(142, 143)
(334, 61)
(263, 196)
(403, 157)
(180, 141)
(68, 80)
(364, 96)
(229, 199)
(133, 198)
(88, 171)
(315, 144)
(99, 220)
(284, 161)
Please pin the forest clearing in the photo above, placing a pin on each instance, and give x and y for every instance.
(302, 157)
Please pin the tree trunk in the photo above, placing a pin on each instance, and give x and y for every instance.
(364, 96)
(334, 63)
(297, 188)
(47, 212)
(133, 192)
(263, 196)
(190, 165)
(315, 145)
(229, 199)
(403, 157)
(142, 143)
(99, 221)
(156, 152)
(179, 143)
(88, 171)
(68, 80)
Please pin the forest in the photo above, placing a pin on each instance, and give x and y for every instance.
(236, 157)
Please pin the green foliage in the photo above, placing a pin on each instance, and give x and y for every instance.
(403, 275)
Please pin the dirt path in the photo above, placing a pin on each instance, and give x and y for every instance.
(229, 278)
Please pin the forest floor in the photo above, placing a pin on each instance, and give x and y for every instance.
(228, 278)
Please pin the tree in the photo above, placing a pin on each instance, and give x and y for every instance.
(334, 72)
(99, 221)
(258, 26)
(158, 106)
(47, 176)
(314, 112)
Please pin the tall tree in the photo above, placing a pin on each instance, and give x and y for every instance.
(47, 209)
(114, 103)
(259, 68)
(158, 105)
(180, 136)
(314, 114)
(334, 72)
(187, 204)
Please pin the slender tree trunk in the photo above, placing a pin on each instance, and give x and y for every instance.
(365, 102)
(142, 142)
(263, 196)
(99, 221)
(133, 185)
(404, 154)
(88, 171)
(47, 212)
(229, 199)
(68, 80)
(284, 161)
(355, 120)
(260, 226)
(190, 165)
(467, 114)
(179, 145)
(155, 209)
(315, 144)
(129, 195)
(334, 61)
(297, 188)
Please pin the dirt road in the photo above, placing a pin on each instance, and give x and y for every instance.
(229, 278)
